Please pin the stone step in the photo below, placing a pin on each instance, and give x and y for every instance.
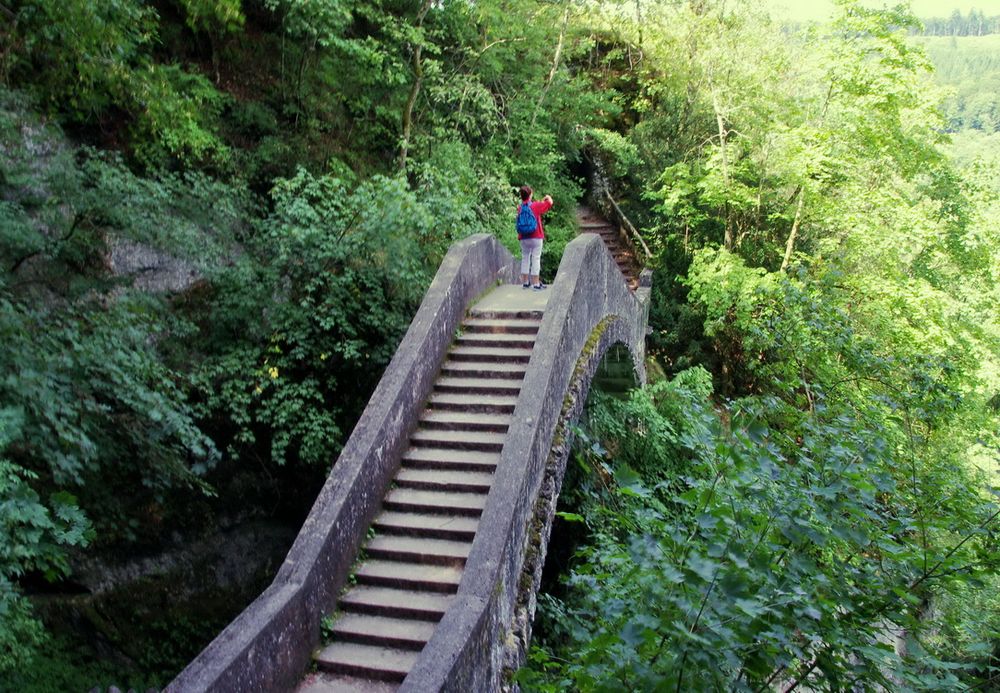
(493, 340)
(434, 526)
(480, 386)
(400, 633)
(478, 314)
(452, 420)
(486, 404)
(406, 575)
(430, 457)
(477, 325)
(440, 480)
(422, 501)
(458, 440)
(382, 663)
(325, 682)
(395, 603)
(420, 550)
(489, 354)
(497, 371)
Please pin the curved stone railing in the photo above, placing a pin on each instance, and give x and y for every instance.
(611, 208)
(590, 304)
(269, 645)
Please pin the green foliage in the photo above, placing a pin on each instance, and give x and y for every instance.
(95, 421)
(32, 537)
(178, 117)
(850, 327)
(82, 55)
(88, 59)
(214, 15)
(718, 559)
(310, 321)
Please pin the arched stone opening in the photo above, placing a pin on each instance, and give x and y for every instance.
(616, 373)
(608, 364)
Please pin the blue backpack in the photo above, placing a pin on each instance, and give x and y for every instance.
(526, 222)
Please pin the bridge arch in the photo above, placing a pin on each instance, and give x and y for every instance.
(483, 637)
(484, 633)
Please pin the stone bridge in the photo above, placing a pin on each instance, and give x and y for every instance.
(418, 565)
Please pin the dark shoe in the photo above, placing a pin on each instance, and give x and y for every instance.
(525, 286)
(539, 287)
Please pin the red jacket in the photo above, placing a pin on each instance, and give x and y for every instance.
(539, 208)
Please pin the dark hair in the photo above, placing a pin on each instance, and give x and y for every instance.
(525, 192)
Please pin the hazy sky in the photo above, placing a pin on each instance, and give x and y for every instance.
(804, 10)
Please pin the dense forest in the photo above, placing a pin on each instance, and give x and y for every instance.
(217, 218)
(976, 23)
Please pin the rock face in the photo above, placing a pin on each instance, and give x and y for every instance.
(151, 270)
(41, 153)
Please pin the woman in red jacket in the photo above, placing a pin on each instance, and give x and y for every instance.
(531, 245)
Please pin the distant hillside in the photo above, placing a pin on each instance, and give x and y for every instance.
(976, 23)
(970, 67)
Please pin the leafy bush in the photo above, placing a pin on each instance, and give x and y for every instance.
(91, 59)
(96, 428)
(715, 560)
(33, 535)
(310, 321)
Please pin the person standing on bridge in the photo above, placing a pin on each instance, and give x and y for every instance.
(531, 243)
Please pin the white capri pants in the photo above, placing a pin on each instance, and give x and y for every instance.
(531, 256)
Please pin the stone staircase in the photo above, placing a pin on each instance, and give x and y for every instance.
(591, 222)
(411, 566)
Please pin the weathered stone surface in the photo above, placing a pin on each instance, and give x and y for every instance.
(431, 457)
(474, 325)
(420, 500)
(464, 369)
(419, 550)
(402, 633)
(402, 575)
(458, 420)
(445, 480)
(483, 386)
(323, 682)
(590, 308)
(385, 663)
(387, 601)
(484, 441)
(150, 269)
(441, 525)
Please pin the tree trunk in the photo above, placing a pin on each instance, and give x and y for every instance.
(418, 78)
(790, 244)
(721, 123)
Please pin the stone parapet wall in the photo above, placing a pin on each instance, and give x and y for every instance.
(268, 647)
(486, 630)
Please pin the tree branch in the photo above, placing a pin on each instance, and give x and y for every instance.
(555, 68)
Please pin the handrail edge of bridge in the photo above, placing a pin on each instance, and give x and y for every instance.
(268, 645)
